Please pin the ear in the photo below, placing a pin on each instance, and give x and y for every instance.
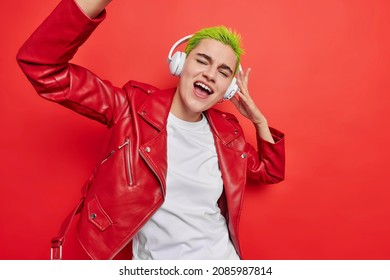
(177, 62)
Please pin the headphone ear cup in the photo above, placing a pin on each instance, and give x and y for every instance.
(232, 89)
(177, 62)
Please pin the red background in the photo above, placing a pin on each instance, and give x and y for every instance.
(320, 73)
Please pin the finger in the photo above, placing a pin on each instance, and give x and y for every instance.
(244, 76)
(242, 96)
(247, 73)
(245, 98)
(242, 88)
(242, 80)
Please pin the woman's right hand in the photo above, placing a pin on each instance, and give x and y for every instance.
(92, 8)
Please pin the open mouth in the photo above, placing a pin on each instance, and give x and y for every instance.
(202, 88)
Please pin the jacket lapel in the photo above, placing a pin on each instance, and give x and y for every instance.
(156, 108)
(154, 111)
(221, 126)
(232, 162)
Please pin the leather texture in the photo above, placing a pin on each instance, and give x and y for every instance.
(128, 183)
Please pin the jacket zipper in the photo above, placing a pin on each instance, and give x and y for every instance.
(108, 156)
(129, 176)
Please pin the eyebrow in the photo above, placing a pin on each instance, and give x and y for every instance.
(210, 59)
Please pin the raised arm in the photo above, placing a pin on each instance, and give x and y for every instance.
(247, 107)
(270, 142)
(45, 56)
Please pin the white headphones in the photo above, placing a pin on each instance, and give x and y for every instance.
(176, 63)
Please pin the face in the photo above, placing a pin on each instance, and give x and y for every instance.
(207, 73)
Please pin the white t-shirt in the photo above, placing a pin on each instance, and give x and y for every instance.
(189, 224)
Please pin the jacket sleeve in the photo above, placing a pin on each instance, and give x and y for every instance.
(45, 56)
(268, 162)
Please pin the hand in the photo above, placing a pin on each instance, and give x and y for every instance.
(92, 8)
(247, 107)
(244, 102)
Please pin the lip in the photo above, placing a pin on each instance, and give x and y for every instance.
(207, 84)
(200, 94)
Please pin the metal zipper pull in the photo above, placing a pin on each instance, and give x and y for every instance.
(106, 158)
(124, 144)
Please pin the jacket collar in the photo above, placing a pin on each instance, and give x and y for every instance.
(222, 125)
(157, 106)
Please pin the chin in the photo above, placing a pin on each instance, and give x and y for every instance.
(195, 107)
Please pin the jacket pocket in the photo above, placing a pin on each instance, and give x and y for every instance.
(97, 216)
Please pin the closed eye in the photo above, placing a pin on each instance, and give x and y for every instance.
(224, 73)
(205, 59)
(202, 61)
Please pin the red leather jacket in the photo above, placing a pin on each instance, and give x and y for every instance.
(128, 183)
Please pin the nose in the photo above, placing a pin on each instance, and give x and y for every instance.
(210, 73)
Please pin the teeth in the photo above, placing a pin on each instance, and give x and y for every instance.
(203, 86)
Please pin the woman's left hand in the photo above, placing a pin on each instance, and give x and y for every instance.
(244, 102)
(247, 107)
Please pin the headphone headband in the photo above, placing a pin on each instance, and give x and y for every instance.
(180, 41)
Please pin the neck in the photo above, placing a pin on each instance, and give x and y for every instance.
(178, 109)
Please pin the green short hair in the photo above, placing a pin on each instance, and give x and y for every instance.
(221, 34)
